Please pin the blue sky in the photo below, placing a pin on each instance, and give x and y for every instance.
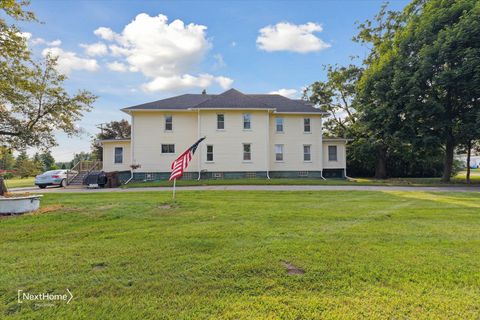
(253, 46)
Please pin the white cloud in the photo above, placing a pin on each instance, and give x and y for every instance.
(105, 33)
(41, 41)
(95, 49)
(25, 35)
(289, 93)
(69, 61)
(166, 53)
(186, 81)
(117, 66)
(285, 36)
(219, 62)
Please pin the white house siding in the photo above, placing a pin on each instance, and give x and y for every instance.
(228, 143)
(149, 134)
(108, 156)
(341, 160)
(293, 139)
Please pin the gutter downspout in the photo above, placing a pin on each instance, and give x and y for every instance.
(267, 141)
(131, 151)
(321, 148)
(200, 149)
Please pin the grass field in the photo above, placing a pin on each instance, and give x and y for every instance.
(221, 255)
(457, 180)
(19, 182)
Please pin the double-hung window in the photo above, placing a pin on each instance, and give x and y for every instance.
(307, 154)
(247, 152)
(306, 125)
(209, 153)
(247, 121)
(279, 124)
(168, 148)
(332, 153)
(220, 121)
(118, 157)
(168, 123)
(279, 152)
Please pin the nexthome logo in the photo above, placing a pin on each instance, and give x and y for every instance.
(44, 296)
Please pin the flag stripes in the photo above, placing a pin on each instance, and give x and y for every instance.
(181, 163)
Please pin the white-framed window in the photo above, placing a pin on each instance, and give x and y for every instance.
(209, 153)
(306, 125)
(332, 153)
(168, 123)
(279, 124)
(247, 152)
(220, 121)
(118, 155)
(279, 152)
(168, 148)
(307, 153)
(247, 121)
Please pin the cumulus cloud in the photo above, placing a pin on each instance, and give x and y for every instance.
(289, 93)
(41, 41)
(166, 53)
(285, 36)
(117, 66)
(186, 81)
(95, 49)
(69, 61)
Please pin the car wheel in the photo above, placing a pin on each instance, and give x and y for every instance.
(63, 184)
(42, 186)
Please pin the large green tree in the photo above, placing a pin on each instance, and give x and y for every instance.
(33, 101)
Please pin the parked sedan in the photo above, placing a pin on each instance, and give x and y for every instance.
(52, 178)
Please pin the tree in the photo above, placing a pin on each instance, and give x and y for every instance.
(26, 167)
(7, 160)
(82, 156)
(112, 130)
(336, 96)
(33, 102)
(439, 55)
(48, 161)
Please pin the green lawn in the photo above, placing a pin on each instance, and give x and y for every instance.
(219, 255)
(457, 180)
(20, 182)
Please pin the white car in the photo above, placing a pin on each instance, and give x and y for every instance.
(52, 178)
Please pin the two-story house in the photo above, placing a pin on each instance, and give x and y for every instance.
(247, 136)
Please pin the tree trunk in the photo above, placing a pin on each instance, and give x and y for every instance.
(448, 160)
(3, 187)
(469, 155)
(381, 162)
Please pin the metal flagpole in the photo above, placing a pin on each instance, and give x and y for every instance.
(174, 182)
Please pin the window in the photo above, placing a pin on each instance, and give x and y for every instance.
(332, 153)
(247, 125)
(168, 123)
(118, 155)
(307, 156)
(247, 152)
(279, 152)
(279, 124)
(306, 125)
(168, 148)
(209, 153)
(220, 121)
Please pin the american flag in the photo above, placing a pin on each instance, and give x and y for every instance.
(181, 163)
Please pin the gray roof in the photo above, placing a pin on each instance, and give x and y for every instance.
(230, 99)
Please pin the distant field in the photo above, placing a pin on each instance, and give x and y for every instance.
(226, 255)
(18, 182)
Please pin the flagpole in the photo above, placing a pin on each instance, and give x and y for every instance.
(174, 182)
